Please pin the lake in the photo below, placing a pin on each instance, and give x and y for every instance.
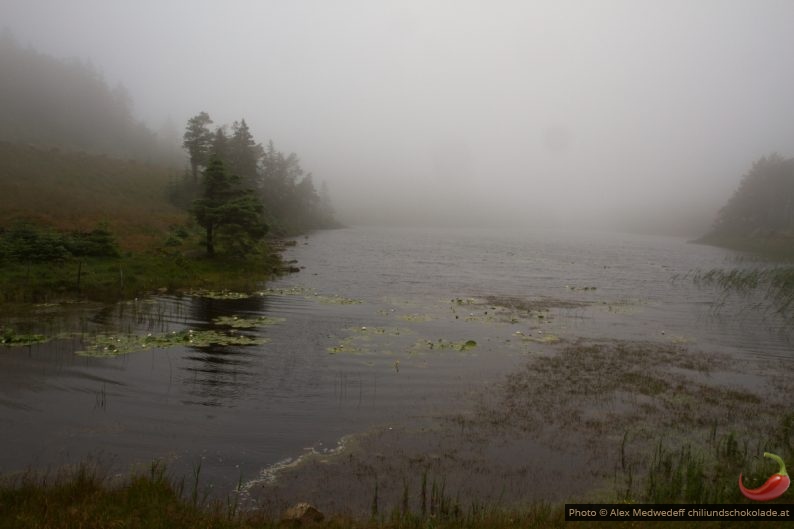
(382, 330)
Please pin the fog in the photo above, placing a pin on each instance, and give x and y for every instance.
(631, 114)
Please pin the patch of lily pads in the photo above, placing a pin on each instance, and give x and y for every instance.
(465, 301)
(416, 318)
(221, 294)
(379, 331)
(547, 338)
(310, 294)
(105, 345)
(9, 337)
(237, 322)
(287, 291)
(441, 345)
(345, 346)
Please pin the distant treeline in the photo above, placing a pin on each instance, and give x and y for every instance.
(67, 103)
(763, 205)
(289, 199)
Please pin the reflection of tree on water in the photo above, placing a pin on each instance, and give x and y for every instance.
(219, 375)
(204, 309)
(154, 314)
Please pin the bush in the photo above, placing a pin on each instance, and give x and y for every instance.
(26, 242)
(98, 242)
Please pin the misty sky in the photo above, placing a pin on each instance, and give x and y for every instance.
(538, 112)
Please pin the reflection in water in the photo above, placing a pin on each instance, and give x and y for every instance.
(205, 310)
(219, 375)
(349, 387)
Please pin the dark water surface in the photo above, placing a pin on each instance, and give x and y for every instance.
(336, 367)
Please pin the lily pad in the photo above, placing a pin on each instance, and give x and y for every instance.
(469, 344)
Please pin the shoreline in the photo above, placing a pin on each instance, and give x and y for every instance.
(624, 401)
(104, 279)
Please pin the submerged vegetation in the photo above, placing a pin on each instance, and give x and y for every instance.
(777, 284)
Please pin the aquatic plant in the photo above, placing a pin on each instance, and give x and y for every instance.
(309, 294)
(287, 291)
(220, 294)
(104, 345)
(778, 283)
(440, 345)
(10, 337)
(416, 318)
(237, 322)
(345, 346)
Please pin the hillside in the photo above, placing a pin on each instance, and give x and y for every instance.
(67, 103)
(75, 191)
(759, 217)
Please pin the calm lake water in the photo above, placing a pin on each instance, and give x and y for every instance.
(353, 350)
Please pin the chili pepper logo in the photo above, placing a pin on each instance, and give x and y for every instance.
(774, 487)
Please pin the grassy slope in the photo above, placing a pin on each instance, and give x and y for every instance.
(70, 191)
(75, 191)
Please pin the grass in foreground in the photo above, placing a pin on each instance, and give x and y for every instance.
(151, 500)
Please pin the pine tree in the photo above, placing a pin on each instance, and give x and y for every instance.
(228, 209)
(198, 141)
(243, 153)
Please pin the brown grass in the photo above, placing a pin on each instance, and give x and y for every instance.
(75, 191)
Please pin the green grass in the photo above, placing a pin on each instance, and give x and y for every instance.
(111, 279)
